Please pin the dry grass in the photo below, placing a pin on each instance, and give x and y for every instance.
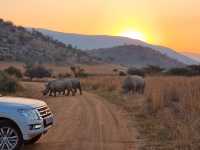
(100, 69)
(175, 102)
(167, 115)
(102, 83)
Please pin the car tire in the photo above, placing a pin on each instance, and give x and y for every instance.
(33, 140)
(10, 133)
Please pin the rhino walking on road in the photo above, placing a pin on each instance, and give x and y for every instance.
(76, 85)
(61, 85)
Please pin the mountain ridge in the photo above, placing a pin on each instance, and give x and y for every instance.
(136, 56)
(18, 44)
(195, 56)
(89, 42)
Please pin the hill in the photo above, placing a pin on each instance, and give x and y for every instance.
(88, 42)
(18, 44)
(137, 56)
(195, 56)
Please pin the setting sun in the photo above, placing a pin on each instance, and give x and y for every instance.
(134, 35)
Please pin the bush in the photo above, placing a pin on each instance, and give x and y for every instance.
(37, 72)
(14, 72)
(136, 71)
(79, 72)
(64, 75)
(180, 72)
(151, 69)
(121, 73)
(115, 70)
(7, 83)
(84, 74)
(195, 69)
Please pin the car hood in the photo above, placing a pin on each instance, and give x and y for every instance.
(21, 102)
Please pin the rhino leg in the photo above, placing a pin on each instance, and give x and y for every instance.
(50, 93)
(80, 90)
(73, 92)
(68, 92)
(54, 93)
(64, 92)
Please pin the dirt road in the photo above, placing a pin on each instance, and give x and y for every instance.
(86, 122)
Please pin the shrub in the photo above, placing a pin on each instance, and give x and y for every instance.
(136, 71)
(151, 69)
(115, 70)
(8, 84)
(84, 74)
(64, 75)
(73, 69)
(180, 72)
(195, 69)
(69, 46)
(121, 73)
(79, 72)
(37, 72)
(14, 72)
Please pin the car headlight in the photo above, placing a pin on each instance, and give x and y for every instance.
(30, 114)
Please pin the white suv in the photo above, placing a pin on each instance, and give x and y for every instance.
(22, 120)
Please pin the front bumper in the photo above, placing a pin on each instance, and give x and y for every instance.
(30, 132)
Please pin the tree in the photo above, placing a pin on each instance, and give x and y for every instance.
(180, 72)
(135, 71)
(78, 72)
(37, 72)
(8, 83)
(69, 46)
(152, 69)
(73, 69)
(14, 72)
(115, 70)
(195, 69)
(121, 73)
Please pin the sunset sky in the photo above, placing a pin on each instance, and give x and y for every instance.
(172, 23)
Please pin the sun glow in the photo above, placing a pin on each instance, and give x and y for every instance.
(133, 35)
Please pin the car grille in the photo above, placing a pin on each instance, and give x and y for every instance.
(44, 111)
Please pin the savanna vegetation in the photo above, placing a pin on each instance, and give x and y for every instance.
(8, 84)
(166, 115)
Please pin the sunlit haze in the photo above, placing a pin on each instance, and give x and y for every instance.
(133, 34)
(172, 23)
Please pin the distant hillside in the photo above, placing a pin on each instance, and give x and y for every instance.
(195, 56)
(88, 42)
(137, 56)
(18, 44)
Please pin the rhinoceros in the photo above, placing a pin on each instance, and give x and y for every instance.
(133, 84)
(59, 86)
(76, 85)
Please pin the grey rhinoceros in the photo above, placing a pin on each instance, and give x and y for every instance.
(60, 85)
(133, 84)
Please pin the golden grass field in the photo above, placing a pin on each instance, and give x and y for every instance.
(168, 113)
(175, 101)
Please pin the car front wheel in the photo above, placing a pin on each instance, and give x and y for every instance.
(10, 136)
